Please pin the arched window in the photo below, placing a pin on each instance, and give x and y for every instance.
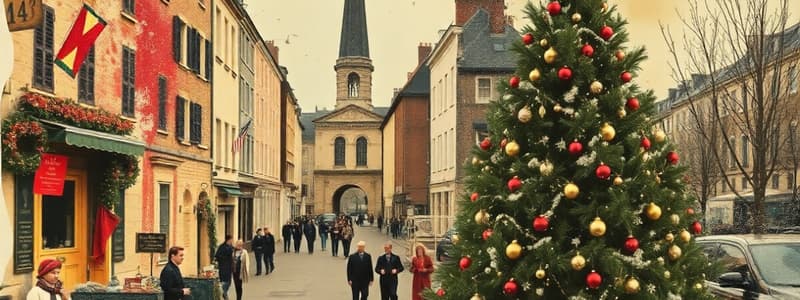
(352, 85)
(338, 149)
(361, 151)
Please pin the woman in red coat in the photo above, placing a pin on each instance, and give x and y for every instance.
(421, 267)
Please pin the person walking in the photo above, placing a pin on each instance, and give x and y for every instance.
(269, 251)
(311, 235)
(380, 223)
(224, 257)
(347, 237)
(171, 280)
(388, 266)
(258, 248)
(48, 286)
(297, 236)
(286, 232)
(336, 233)
(323, 233)
(359, 272)
(241, 267)
(421, 267)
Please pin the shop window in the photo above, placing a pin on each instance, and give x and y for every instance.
(58, 219)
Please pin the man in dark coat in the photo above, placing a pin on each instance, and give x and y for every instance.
(359, 272)
(380, 222)
(286, 232)
(224, 257)
(171, 278)
(311, 235)
(269, 250)
(297, 236)
(258, 248)
(323, 233)
(388, 265)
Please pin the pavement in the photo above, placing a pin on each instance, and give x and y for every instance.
(320, 275)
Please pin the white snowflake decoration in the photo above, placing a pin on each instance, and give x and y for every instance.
(514, 196)
(534, 163)
(569, 97)
(576, 242)
(651, 288)
(561, 145)
(587, 159)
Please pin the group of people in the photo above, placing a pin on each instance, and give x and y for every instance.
(340, 230)
(387, 266)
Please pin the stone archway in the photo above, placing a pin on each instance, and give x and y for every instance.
(350, 199)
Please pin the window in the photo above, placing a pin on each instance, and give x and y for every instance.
(732, 259)
(162, 103)
(745, 151)
(446, 91)
(775, 182)
(361, 151)
(245, 219)
(352, 85)
(339, 151)
(177, 28)
(744, 183)
(790, 181)
(128, 6)
(793, 80)
(128, 81)
(180, 111)
(86, 79)
(163, 211)
(484, 90)
(218, 143)
(196, 53)
(43, 51)
(744, 99)
(732, 154)
(446, 151)
(195, 123)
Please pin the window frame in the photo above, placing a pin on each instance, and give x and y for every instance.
(44, 51)
(129, 7)
(487, 89)
(162, 102)
(362, 146)
(86, 81)
(164, 228)
(339, 152)
(128, 81)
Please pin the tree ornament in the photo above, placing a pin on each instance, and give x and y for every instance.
(578, 262)
(525, 114)
(669, 237)
(440, 292)
(486, 144)
(618, 180)
(606, 32)
(571, 191)
(464, 263)
(486, 169)
(675, 219)
(575, 148)
(587, 50)
(473, 197)
(674, 252)
(546, 168)
(475, 161)
(514, 184)
(596, 87)
(685, 236)
(487, 234)
(542, 111)
(476, 297)
(535, 75)
(608, 132)
(667, 274)
(513, 250)
(597, 228)
(593, 280)
(576, 18)
(653, 211)
(632, 104)
(672, 157)
(620, 55)
(626, 77)
(513, 82)
(603, 172)
(503, 143)
(604, 7)
(645, 143)
(540, 274)
(659, 136)
(544, 43)
(550, 55)
(631, 244)
(527, 38)
(510, 288)
(481, 217)
(697, 228)
(455, 238)
(512, 149)
(541, 223)
(554, 8)
(632, 286)
(689, 211)
(565, 73)
(698, 286)
(557, 108)
(621, 113)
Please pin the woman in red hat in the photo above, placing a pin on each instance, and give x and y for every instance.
(48, 287)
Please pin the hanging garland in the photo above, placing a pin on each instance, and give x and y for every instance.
(207, 213)
(120, 173)
(24, 141)
(71, 113)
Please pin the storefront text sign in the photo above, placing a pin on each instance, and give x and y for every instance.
(49, 178)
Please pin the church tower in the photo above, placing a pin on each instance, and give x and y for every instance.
(354, 67)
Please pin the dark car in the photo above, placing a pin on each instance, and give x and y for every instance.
(328, 219)
(755, 266)
(444, 244)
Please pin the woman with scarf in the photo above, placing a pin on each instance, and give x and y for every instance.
(421, 267)
(241, 267)
(48, 287)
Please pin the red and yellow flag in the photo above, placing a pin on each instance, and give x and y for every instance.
(80, 39)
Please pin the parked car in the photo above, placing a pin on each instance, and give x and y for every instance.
(444, 245)
(755, 266)
(328, 218)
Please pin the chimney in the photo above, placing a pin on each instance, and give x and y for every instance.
(423, 50)
(465, 9)
(273, 50)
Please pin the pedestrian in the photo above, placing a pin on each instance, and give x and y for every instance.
(371, 219)
(224, 257)
(388, 266)
(241, 267)
(335, 237)
(286, 232)
(323, 233)
(48, 286)
(421, 267)
(380, 222)
(269, 251)
(297, 236)
(347, 237)
(311, 235)
(359, 272)
(171, 278)
(258, 248)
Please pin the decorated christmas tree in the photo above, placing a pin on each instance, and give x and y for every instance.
(576, 194)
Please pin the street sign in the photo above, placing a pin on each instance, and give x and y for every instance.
(23, 14)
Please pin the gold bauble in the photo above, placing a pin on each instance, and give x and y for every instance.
(455, 239)
(669, 237)
(632, 286)
(621, 113)
(604, 8)
(550, 55)
(513, 250)
(653, 211)
(618, 180)
(540, 274)
(544, 43)
(658, 179)
(482, 217)
(534, 75)
(476, 297)
(608, 132)
(512, 149)
(571, 191)
(578, 262)
(596, 87)
(546, 168)
(525, 114)
(598, 227)
(620, 55)
(675, 219)
(667, 274)
(542, 111)
(576, 17)
(659, 136)
(685, 236)
(486, 169)
(475, 161)
(674, 252)
(698, 286)
(557, 108)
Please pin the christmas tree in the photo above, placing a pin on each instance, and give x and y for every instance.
(576, 194)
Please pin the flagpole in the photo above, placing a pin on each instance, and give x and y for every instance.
(6, 65)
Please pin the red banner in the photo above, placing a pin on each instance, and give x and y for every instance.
(49, 178)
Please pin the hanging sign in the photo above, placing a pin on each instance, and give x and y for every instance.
(49, 178)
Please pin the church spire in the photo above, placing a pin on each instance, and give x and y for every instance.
(354, 67)
(354, 41)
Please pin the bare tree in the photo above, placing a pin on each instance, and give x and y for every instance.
(739, 47)
(703, 173)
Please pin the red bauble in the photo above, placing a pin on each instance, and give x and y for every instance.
(510, 288)
(565, 73)
(575, 148)
(593, 280)
(541, 223)
(672, 157)
(527, 38)
(503, 143)
(632, 104)
(487, 234)
(554, 8)
(514, 82)
(626, 77)
(440, 292)
(603, 171)
(631, 244)
(486, 144)
(606, 32)
(473, 197)
(587, 50)
(697, 228)
(645, 143)
(690, 211)
(464, 263)
(514, 184)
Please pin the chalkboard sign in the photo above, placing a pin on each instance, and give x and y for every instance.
(151, 242)
(118, 244)
(23, 228)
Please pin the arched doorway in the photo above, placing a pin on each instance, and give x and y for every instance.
(350, 199)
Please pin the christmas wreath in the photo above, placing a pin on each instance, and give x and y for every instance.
(120, 173)
(24, 141)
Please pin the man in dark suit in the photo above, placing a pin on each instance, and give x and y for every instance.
(286, 231)
(269, 250)
(359, 272)
(171, 279)
(388, 265)
(258, 247)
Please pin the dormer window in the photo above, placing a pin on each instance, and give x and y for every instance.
(352, 85)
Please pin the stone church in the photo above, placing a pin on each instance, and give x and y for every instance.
(345, 144)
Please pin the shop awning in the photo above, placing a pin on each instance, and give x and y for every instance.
(231, 191)
(85, 138)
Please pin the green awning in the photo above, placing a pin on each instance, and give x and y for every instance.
(85, 138)
(231, 191)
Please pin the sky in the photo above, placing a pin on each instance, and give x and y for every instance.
(307, 33)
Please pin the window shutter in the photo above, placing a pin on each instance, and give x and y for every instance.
(209, 60)
(189, 44)
(48, 54)
(118, 240)
(179, 118)
(162, 103)
(177, 25)
(199, 124)
(43, 51)
(195, 116)
(197, 46)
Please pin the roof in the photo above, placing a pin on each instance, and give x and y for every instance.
(354, 40)
(484, 50)
(418, 86)
(307, 121)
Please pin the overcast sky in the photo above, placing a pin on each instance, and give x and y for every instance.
(307, 33)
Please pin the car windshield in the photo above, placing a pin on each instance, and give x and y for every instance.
(779, 264)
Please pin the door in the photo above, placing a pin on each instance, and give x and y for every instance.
(60, 222)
